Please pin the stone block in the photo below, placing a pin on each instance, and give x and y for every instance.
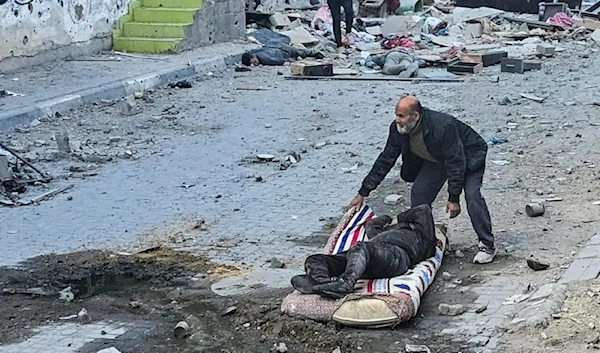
(546, 49)
(589, 251)
(581, 269)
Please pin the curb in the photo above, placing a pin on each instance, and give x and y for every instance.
(114, 90)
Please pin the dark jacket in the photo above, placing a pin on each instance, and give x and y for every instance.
(414, 232)
(448, 140)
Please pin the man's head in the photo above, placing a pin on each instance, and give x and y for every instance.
(408, 113)
(250, 59)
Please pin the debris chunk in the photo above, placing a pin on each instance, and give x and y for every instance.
(66, 295)
(451, 310)
(536, 265)
(413, 348)
(392, 199)
(276, 263)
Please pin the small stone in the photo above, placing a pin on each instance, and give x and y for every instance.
(481, 308)
(135, 304)
(593, 339)
(281, 348)
(246, 325)
(459, 254)
(229, 311)
(451, 310)
(138, 95)
(276, 263)
(446, 275)
(35, 123)
(115, 139)
(392, 199)
(70, 198)
(268, 126)
(320, 144)
(103, 332)
(504, 101)
(336, 350)
(543, 336)
(39, 143)
(265, 157)
(536, 265)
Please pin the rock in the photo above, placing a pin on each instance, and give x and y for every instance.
(545, 291)
(109, 350)
(413, 348)
(481, 308)
(593, 338)
(229, 311)
(337, 350)
(84, 317)
(115, 139)
(276, 263)
(265, 157)
(246, 325)
(451, 310)
(128, 107)
(66, 295)
(281, 348)
(459, 253)
(135, 304)
(62, 141)
(320, 144)
(446, 275)
(39, 143)
(138, 95)
(392, 199)
(35, 123)
(536, 265)
(504, 101)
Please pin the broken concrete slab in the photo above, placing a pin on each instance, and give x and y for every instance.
(546, 49)
(595, 36)
(398, 24)
(300, 35)
(463, 14)
(279, 20)
(5, 172)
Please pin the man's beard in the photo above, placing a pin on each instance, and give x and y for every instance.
(408, 127)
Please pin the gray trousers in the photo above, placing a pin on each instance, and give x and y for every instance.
(428, 184)
(396, 62)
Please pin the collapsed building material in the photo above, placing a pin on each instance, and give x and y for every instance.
(5, 172)
(546, 49)
(519, 6)
(487, 59)
(463, 67)
(309, 68)
(519, 65)
(374, 78)
(593, 11)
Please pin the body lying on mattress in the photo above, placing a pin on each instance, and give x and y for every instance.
(392, 250)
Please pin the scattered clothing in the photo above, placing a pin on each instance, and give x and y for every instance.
(561, 19)
(391, 251)
(398, 42)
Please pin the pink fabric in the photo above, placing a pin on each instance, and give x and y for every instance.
(392, 43)
(323, 14)
(561, 19)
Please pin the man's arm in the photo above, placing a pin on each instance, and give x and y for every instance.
(384, 163)
(454, 160)
(377, 225)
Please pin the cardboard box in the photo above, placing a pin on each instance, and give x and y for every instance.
(309, 68)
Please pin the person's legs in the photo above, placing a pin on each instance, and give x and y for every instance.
(393, 64)
(369, 260)
(480, 216)
(428, 184)
(322, 267)
(349, 12)
(334, 7)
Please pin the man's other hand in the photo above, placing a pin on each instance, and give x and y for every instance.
(453, 208)
(357, 202)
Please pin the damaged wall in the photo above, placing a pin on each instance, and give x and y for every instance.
(36, 31)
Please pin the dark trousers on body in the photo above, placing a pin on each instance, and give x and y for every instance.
(336, 14)
(429, 182)
(366, 260)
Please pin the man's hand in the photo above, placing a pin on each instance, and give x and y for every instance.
(357, 202)
(453, 208)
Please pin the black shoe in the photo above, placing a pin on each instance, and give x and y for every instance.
(304, 284)
(319, 56)
(335, 289)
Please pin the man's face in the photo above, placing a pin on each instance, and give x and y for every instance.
(406, 119)
(254, 61)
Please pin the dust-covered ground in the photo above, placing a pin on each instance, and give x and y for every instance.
(191, 153)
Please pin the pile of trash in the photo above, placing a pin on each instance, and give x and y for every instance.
(459, 38)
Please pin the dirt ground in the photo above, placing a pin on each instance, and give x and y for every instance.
(163, 286)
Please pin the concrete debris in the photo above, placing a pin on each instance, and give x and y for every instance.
(481, 308)
(595, 36)
(392, 199)
(84, 317)
(109, 350)
(66, 295)
(129, 107)
(451, 310)
(337, 350)
(279, 348)
(532, 97)
(459, 254)
(536, 265)
(265, 157)
(230, 310)
(62, 140)
(413, 348)
(276, 263)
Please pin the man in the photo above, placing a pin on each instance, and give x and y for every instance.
(391, 251)
(336, 14)
(278, 54)
(396, 62)
(436, 147)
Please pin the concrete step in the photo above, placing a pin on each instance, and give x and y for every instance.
(164, 15)
(154, 30)
(146, 45)
(181, 4)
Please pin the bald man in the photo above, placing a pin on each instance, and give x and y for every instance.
(436, 148)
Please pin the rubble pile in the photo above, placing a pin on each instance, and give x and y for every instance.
(462, 40)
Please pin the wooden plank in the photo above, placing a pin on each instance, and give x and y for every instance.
(372, 78)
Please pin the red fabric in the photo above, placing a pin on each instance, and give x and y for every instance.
(399, 42)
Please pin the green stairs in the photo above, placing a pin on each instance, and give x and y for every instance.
(154, 26)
